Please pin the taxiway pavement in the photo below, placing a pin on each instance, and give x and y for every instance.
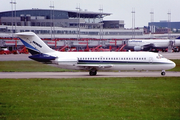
(84, 74)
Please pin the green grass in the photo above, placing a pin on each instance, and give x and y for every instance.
(27, 66)
(90, 99)
(32, 66)
(177, 68)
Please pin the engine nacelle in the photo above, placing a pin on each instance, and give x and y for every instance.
(176, 42)
(43, 58)
(138, 48)
(66, 63)
(65, 60)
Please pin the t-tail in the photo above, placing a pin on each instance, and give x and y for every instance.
(39, 50)
(178, 37)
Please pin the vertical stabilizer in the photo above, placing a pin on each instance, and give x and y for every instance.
(33, 43)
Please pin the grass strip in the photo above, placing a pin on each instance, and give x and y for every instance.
(90, 99)
(28, 66)
(177, 68)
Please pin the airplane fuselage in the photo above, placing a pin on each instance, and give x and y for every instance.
(112, 60)
(139, 44)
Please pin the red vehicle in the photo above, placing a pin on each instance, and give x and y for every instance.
(4, 51)
(21, 50)
(99, 49)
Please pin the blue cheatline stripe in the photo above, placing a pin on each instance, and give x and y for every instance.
(117, 62)
(29, 46)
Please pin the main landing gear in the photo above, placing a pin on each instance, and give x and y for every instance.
(93, 72)
(163, 73)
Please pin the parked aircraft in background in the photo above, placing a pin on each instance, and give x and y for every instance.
(94, 61)
(149, 44)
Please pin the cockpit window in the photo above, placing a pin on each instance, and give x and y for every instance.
(159, 56)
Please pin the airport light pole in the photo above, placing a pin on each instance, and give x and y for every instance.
(152, 27)
(169, 22)
(152, 20)
(169, 34)
(101, 20)
(152, 16)
(12, 22)
(169, 16)
(78, 26)
(15, 14)
(133, 23)
(52, 18)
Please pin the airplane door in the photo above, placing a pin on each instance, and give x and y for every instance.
(125, 42)
(150, 60)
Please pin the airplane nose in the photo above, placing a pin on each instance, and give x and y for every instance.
(173, 64)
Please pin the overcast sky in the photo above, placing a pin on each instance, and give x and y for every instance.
(120, 9)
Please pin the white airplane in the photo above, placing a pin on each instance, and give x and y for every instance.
(94, 61)
(142, 44)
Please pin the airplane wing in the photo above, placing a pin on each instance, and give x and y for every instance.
(91, 66)
(148, 46)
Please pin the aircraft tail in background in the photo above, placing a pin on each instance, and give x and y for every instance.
(178, 37)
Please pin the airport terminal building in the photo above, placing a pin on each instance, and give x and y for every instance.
(47, 18)
(62, 22)
(164, 27)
